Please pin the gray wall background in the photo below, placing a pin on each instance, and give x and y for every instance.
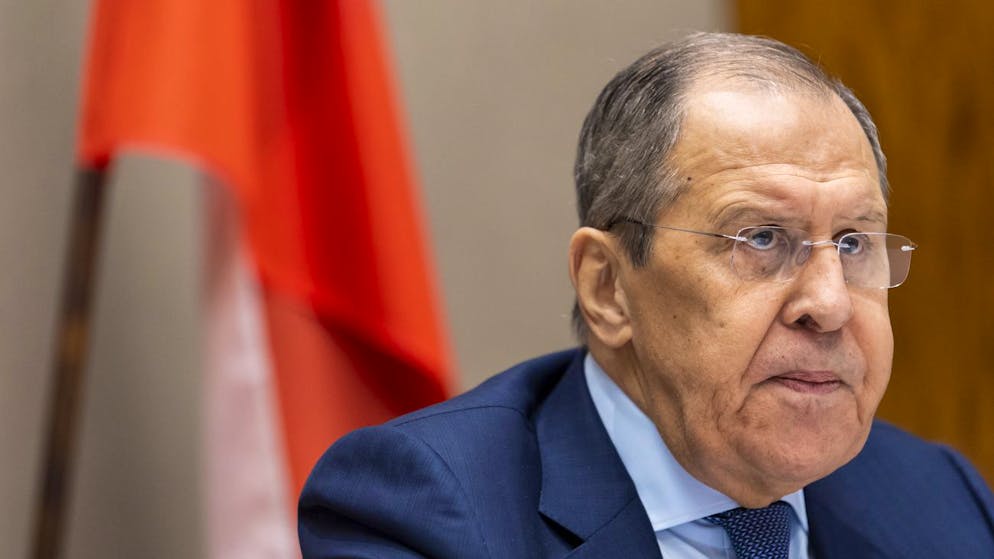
(494, 95)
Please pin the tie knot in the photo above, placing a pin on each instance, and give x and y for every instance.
(757, 533)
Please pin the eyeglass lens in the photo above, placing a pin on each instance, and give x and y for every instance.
(873, 260)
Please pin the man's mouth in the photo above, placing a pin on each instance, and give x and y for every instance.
(809, 382)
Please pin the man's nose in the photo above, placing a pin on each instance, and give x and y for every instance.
(819, 297)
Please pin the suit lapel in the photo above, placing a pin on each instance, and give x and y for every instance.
(585, 488)
(835, 534)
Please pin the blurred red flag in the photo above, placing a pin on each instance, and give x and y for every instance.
(290, 104)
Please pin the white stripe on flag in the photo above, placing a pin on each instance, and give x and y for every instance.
(248, 514)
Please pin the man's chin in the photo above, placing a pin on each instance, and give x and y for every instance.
(797, 462)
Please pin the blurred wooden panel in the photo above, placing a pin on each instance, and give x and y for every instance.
(926, 72)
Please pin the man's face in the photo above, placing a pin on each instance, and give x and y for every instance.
(760, 388)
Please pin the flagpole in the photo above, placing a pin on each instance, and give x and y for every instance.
(70, 352)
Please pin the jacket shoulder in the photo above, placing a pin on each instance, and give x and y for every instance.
(372, 495)
(904, 497)
(444, 481)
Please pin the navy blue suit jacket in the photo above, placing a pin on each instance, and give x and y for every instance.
(522, 467)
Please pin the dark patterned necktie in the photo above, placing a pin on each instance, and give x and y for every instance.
(758, 533)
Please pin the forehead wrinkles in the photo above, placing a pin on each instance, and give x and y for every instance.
(733, 135)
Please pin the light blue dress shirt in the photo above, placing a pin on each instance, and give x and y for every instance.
(675, 501)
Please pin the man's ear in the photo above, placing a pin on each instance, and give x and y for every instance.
(594, 268)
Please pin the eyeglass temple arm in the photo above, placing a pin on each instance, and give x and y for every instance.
(708, 233)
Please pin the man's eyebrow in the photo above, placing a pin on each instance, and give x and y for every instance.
(873, 216)
(743, 212)
(746, 213)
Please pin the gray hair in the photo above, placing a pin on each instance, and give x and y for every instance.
(623, 168)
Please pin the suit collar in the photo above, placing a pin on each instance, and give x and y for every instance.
(850, 511)
(838, 532)
(585, 488)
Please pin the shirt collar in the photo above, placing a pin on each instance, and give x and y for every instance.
(670, 495)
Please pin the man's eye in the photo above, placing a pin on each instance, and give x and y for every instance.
(853, 244)
(764, 238)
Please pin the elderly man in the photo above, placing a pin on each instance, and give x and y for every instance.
(731, 274)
